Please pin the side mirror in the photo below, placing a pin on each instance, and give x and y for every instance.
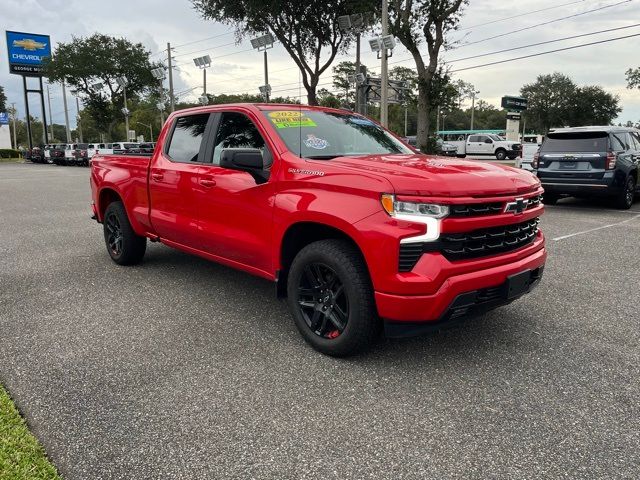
(248, 160)
(488, 140)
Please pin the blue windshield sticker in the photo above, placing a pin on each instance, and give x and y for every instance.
(362, 121)
(315, 142)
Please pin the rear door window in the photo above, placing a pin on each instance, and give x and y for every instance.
(187, 136)
(474, 138)
(591, 142)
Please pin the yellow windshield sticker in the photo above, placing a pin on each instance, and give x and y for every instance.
(290, 119)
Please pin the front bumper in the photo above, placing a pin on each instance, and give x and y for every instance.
(434, 308)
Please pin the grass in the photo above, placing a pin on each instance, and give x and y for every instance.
(21, 456)
(10, 160)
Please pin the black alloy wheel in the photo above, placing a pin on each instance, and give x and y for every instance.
(323, 300)
(114, 234)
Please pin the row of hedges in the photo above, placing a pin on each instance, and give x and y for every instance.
(9, 153)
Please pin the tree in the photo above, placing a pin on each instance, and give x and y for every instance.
(307, 30)
(556, 101)
(633, 78)
(3, 100)
(413, 21)
(83, 62)
(346, 89)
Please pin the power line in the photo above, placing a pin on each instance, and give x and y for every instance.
(540, 24)
(519, 15)
(205, 49)
(546, 53)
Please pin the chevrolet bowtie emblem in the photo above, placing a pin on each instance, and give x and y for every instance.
(29, 44)
(516, 207)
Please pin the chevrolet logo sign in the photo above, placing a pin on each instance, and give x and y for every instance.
(29, 44)
(516, 207)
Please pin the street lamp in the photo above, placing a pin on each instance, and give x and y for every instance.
(265, 91)
(150, 130)
(262, 44)
(354, 23)
(78, 119)
(123, 82)
(203, 63)
(204, 100)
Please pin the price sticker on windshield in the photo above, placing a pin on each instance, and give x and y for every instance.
(290, 119)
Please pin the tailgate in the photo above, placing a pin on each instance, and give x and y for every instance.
(574, 155)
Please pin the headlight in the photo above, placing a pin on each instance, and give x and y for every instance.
(395, 207)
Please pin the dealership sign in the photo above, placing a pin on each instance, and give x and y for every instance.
(4, 118)
(27, 52)
(515, 104)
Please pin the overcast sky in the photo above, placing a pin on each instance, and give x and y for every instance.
(236, 68)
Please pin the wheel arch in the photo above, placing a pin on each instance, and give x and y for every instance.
(106, 196)
(300, 234)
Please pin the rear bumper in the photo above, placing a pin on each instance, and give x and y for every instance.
(607, 185)
(456, 292)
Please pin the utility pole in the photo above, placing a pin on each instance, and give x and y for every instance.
(358, 86)
(79, 120)
(126, 114)
(406, 119)
(266, 77)
(50, 118)
(66, 111)
(15, 137)
(171, 99)
(384, 86)
(204, 81)
(473, 106)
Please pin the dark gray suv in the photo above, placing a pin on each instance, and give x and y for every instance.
(588, 162)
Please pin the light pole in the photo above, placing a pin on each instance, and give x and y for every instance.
(203, 63)
(172, 100)
(123, 82)
(382, 45)
(78, 120)
(150, 130)
(354, 23)
(160, 106)
(14, 114)
(66, 111)
(473, 106)
(50, 117)
(262, 44)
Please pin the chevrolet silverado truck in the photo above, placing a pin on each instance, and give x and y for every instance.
(357, 231)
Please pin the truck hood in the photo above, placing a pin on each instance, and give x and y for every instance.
(443, 176)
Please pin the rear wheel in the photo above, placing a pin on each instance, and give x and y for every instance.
(331, 298)
(625, 198)
(123, 245)
(501, 154)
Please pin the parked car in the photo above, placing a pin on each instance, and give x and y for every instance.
(349, 223)
(93, 149)
(35, 155)
(589, 162)
(119, 147)
(47, 153)
(446, 148)
(81, 154)
(70, 153)
(147, 148)
(57, 153)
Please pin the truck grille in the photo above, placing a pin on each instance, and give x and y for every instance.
(480, 209)
(475, 244)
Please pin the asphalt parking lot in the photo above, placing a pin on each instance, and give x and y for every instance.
(180, 368)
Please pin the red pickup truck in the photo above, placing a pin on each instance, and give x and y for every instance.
(357, 230)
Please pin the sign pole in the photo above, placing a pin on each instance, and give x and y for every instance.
(26, 109)
(44, 113)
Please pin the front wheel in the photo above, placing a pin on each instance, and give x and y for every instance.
(501, 154)
(625, 198)
(123, 245)
(331, 298)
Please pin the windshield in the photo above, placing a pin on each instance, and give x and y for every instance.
(496, 138)
(327, 135)
(575, 142)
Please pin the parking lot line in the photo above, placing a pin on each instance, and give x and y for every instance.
(585, 209)
(563, 237)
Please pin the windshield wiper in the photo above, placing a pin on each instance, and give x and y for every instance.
(322, 157)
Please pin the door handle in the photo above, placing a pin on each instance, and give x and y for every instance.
(207, 182)
(157, 176)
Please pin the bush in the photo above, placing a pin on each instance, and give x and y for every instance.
(9, 153)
